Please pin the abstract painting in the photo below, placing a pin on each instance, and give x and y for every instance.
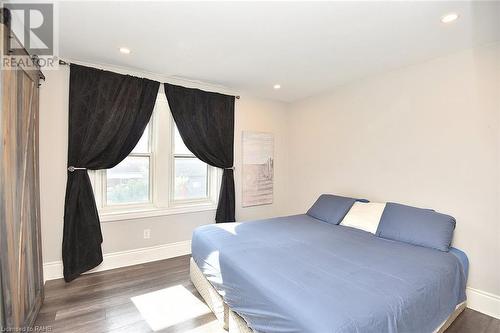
(258, 168)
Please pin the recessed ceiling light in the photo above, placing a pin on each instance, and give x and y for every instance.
(448, 18)
(124, 50)
(277, 86)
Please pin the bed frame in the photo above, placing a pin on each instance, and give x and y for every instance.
(234, 323)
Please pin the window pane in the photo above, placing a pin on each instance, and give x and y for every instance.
(179, 146)
(190, 179)
(128, 182)
(143, 144)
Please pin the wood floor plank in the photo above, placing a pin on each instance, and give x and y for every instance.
(101, 302)
(114, 296)
(493, 327)
(471, 321)
(58, 287)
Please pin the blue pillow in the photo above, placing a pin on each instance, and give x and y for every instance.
(417, 226)
(331, 208)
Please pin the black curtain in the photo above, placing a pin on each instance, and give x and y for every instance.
(108, 113)
(206, 124)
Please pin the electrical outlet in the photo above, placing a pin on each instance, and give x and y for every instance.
(147, 233)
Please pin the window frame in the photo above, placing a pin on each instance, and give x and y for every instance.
(161, 176)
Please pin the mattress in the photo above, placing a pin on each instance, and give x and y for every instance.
(298, 274)
(232, 322)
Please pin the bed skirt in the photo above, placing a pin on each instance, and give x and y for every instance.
(234, 323)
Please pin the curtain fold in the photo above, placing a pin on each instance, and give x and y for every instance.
(108, 113)
(206, 124)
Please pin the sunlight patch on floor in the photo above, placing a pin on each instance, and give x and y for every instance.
(212, 327)
(167, 307)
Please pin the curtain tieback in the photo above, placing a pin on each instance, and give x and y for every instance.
(231, 168)
(73, 169)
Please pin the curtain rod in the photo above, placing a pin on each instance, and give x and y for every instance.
(62, 62)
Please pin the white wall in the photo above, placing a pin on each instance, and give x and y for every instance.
(263, 116)
(251, 114)
(426, 135)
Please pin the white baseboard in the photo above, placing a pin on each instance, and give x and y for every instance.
(483, 302)
(478, 300)
(54, 270)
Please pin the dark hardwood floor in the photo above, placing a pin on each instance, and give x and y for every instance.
(104, 302)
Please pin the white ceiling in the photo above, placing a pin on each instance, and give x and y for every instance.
(307, 47)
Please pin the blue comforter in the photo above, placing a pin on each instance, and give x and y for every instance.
(299, 274)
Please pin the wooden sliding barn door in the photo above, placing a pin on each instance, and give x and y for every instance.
(20, 244)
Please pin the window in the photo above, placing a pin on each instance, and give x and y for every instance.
(190, 174)
(159, 177)
(129, 182)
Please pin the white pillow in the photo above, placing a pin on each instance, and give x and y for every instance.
(364, 215)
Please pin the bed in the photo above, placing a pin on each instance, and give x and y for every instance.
(301, 274)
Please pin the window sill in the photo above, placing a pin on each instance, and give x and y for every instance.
(119, 215)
